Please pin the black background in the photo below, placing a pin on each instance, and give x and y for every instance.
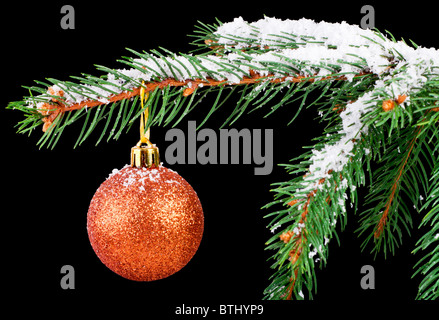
(46, 193)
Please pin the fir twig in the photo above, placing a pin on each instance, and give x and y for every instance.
(378, 97)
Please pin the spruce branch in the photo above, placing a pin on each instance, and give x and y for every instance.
(194, 73)
(428, 265)
(386, 216)
(379, 100)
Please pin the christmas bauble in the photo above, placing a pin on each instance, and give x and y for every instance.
(144, 223)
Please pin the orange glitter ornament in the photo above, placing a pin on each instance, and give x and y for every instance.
(145, 223)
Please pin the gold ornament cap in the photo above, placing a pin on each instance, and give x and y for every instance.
(145, 155)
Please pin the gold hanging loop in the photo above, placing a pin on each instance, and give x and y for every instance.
(144, 154)
(144, 136)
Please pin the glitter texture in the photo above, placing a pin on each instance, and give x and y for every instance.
(145, 224)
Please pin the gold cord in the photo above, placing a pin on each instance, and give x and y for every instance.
(144, 156)
(144, 136)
